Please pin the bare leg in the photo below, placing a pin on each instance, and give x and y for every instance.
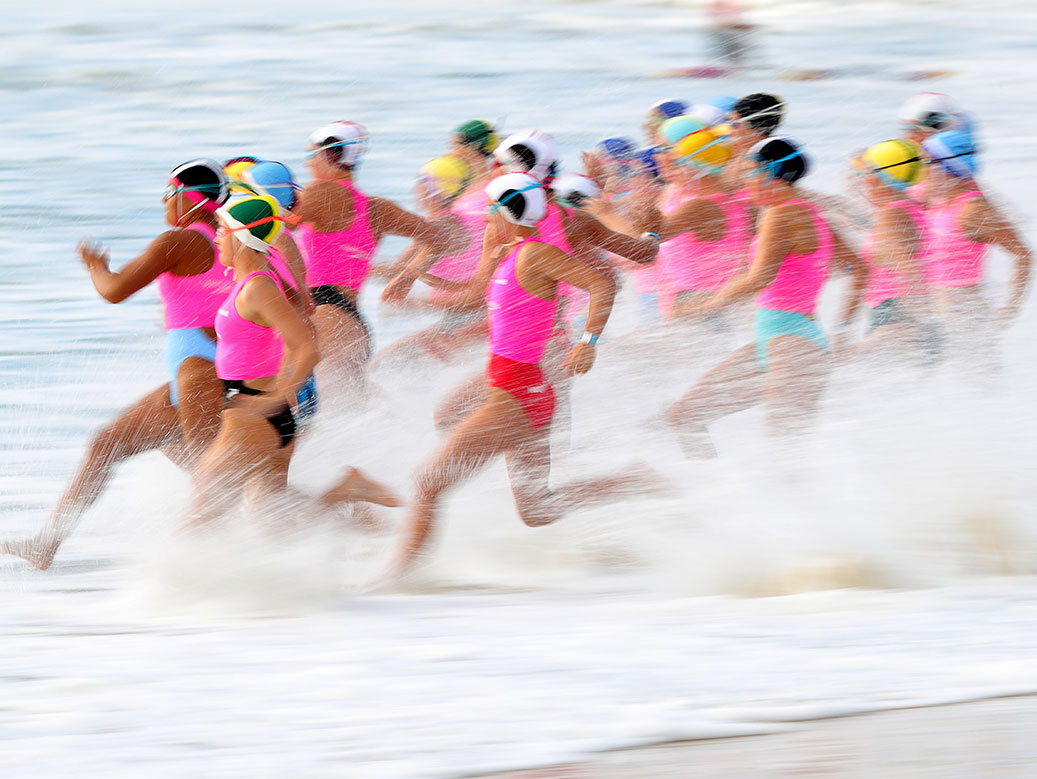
(529, 470)
(498, 425)
(244, 449)
(149, 424)
(198, 411)
(796, 378)
(344, 346)
(356, 486)
(461, 402)
(436, 341)
(734, 385)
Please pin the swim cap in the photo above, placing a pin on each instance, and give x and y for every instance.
(532, 151)
(234, 168)
(667, 109)
(710, 115)
(762, 112)
(274, 179)
(203, 182)
(616, 149)
(479, 135)
(645, 161)
(574, 189)
(680, 127)
(725, 103)
(932, 110)
(348, 139)
(897, 163)
(955, 151)
(705, 150)
(519, 196)
(781, 158)
(255, 220)
(445, 176)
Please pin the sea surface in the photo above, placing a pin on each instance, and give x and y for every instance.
(887, 562)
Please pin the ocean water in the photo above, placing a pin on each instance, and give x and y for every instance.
(887, 562)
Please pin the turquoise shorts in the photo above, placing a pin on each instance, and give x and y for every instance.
(181, 344)
(770, 324)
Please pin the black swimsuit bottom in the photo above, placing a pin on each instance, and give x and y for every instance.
(329, 295)
(283, 421)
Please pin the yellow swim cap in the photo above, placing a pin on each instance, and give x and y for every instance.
(897, 163)
(234, 170)
(446, 176)
(705, 148)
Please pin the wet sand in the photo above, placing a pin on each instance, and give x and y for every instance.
(991, 738)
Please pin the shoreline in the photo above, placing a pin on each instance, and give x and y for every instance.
(991, 736)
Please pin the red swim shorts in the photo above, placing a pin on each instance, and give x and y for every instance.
(526, 383)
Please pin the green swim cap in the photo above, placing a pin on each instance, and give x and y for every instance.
(255, 220)
(478, 134)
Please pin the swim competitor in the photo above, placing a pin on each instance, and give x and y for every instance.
(787, 367)
(922, 116)
(704, 231)
(895, 251)
(963, 225)
(268, 177)
(265, 354)
(519, 279)
(437, 190)
(181, 416)
(340, 228)
(659, 113)
(753, 119)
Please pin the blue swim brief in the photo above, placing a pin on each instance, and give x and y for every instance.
(181, 344)
(771, 324)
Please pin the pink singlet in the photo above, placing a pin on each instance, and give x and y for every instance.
(801, 276)
(886, 283)
(461, 267)
(343, 258)
(955, 260)
(688, 264)
(520, 326)
(245, 350)
(191, 301)
(551, 229)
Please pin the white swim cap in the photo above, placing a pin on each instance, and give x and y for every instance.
(519, 196)
(709, 115)
(532, 151)
(349, 139)
(574, 189)
(930, 109)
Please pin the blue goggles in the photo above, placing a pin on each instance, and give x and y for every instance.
(493, 208)
(313, 152)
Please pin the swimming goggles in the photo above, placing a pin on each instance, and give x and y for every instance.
(173, 189)
(221, 227)
(493, 208)
(771, 167)
(313, 152)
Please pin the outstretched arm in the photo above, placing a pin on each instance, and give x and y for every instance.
(161, 256)
(982, 222)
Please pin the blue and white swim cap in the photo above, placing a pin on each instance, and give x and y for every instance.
(274, 179)
(955, 151)
(617, 148)
(667, 109)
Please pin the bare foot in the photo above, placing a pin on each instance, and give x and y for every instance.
(39, 554)
(356, 486)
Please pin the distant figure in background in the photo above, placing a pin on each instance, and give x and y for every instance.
(730, 32)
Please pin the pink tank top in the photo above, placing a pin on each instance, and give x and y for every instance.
(342, 259)
(955, 260)
(801, 276)
(461, 267)
(688, 264)
(885, 283)
(191, 301)
(552, 230)
(520, 324)
(245, 350)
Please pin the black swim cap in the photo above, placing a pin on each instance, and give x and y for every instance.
(781, 158)
(760, 111)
